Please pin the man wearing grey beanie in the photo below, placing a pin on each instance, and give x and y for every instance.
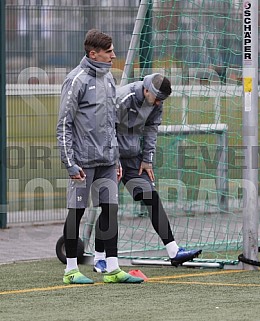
(139, 114)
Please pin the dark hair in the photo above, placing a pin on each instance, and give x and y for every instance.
(96, 40)
(163, 84)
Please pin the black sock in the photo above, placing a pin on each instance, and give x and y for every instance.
(71, 231)
(157, 215)
(107, 230)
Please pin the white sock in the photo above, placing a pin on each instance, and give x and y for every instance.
(112, 264)
(71, 264)
(172, 249)
(99, 256)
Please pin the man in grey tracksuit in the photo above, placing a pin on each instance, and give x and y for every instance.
(139, 111)
(139, 116)
(87, 140)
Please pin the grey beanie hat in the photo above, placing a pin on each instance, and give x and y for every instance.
(147, 83)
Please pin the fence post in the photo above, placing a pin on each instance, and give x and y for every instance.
(3, 176)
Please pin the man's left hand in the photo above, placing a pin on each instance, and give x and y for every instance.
(119, 172)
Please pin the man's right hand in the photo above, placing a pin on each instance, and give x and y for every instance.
(76, 172)
(148, 167)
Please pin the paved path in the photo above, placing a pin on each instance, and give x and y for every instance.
(29, 242)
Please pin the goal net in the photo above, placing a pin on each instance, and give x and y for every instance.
(197, 45)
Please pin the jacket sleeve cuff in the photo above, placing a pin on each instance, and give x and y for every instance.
(148, 157)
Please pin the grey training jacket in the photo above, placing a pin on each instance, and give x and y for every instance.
(138, 123)
(86, 124)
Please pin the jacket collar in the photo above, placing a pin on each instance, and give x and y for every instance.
(95, 69)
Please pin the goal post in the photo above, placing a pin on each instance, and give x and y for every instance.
(135, 41)
(250, 131)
